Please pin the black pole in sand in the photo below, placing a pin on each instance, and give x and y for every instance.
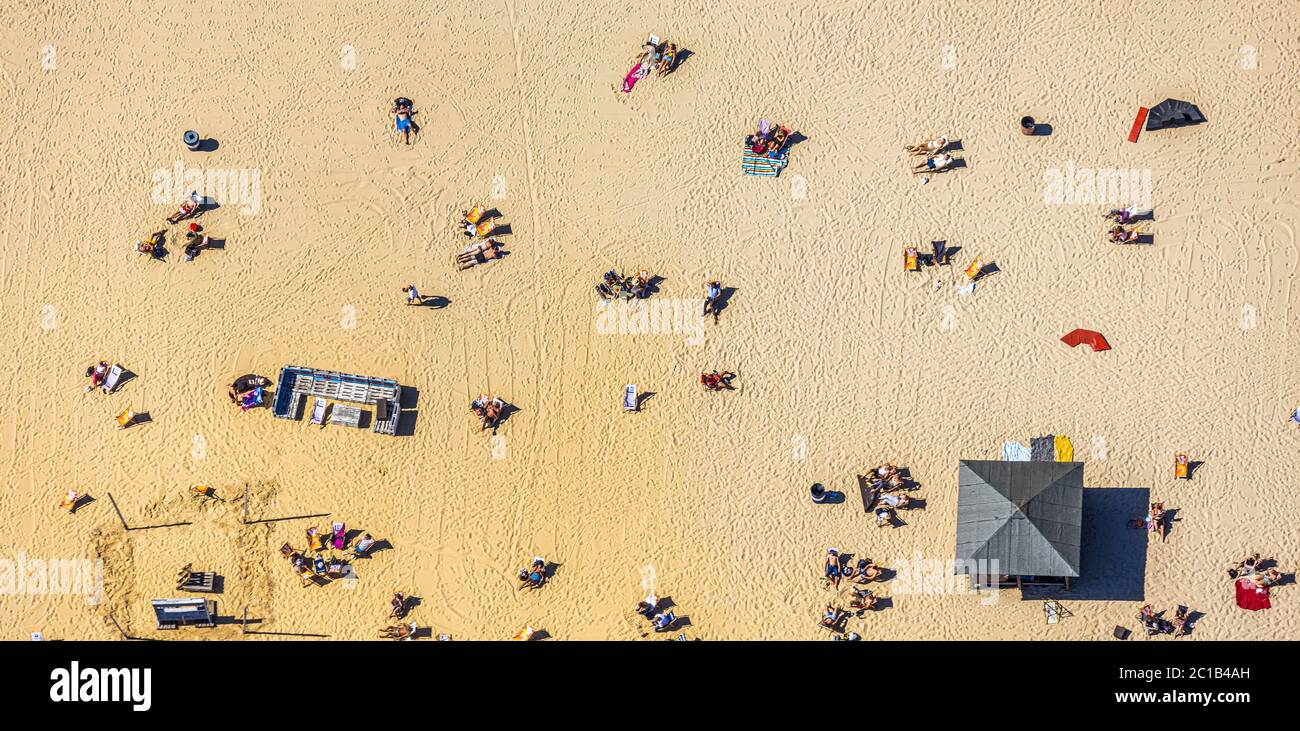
(119, 512)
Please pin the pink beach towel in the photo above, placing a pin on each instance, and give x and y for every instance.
(632, 77)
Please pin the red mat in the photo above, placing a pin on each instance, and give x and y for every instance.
(1093, 338)
(1136, 129)
(1250, 596)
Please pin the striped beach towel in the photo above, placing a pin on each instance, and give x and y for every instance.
(763, 165)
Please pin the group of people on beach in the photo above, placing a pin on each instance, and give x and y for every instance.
(936, 153)
(248, 391)
(661, 620)
(1122, 232)
(770, 139)
(310, 563)
(1253, 566)
(614, 286)
(862, 599)
(655, 56)
(887, 489)
(196, 239)
(488, 409)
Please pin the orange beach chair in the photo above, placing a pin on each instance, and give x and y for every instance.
(1180, 467)
(911, 261)
(973, 271)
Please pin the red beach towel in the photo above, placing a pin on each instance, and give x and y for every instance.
(1250, 596)
(1093, 338)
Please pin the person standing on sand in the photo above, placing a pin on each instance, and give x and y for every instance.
(712, 298)
(413, 296)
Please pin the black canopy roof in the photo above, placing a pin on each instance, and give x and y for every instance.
(1027, 516)
(1173, 113)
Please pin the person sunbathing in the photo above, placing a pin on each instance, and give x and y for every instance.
(97, 373)
(315, 542)
(1121, 235)
(833, 568)
(1120, 215)
(188, 208)
(868, 571)
(363, 545)
(779, 139)
(863, 599)
(895, 502)
(195, 244)
(491, 413)
(716, 381)
(402, 113)
(831, 616)
(664, 621)
(934, 163)
(151, 245)
(645, 608)
(535, 575)
(479, 254)
(1179, 622)
(667, 59)
(1269, 578)
(884, 516)
(928, 146)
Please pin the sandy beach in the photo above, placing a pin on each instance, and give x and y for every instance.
(844, 360)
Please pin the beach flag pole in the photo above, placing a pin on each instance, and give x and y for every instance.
(245, 503)
(118, 511)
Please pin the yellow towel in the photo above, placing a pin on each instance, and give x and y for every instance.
(1064, 449)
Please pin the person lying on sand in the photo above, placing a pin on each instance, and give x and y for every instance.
(928, 146)
(664, 621)
(884, 516)
(478, 254)
(863, 599)
(831, 616)
(1121, 215)
(1121, 235)
(151, 245)
(535, 575)
(867, 571)
(1271, 577)
(833, 568)
(934, 163)
(896, 502)
(188, 208)
(716, 381)
(402, 122)
(667, 59)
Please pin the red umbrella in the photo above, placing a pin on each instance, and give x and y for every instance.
(1091, 337)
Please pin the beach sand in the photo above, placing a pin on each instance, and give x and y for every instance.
(844, 359)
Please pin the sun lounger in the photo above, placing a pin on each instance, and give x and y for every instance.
(70, 502)
(911, 261)
(485, 228)
(940, 252)
(629, 397)
(113, 378)
(196, 581)
(125, 419)
(1181, 471)
(318, 412)
(973, 271)
(475, 214)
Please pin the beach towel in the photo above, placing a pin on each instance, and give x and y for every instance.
(1042, 449)
(252, 399)
(629, 397)
(1064, 449)
(1015, 452)
(1295, 416)
(633, 76)
(1251, 597)
(1094, 339)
